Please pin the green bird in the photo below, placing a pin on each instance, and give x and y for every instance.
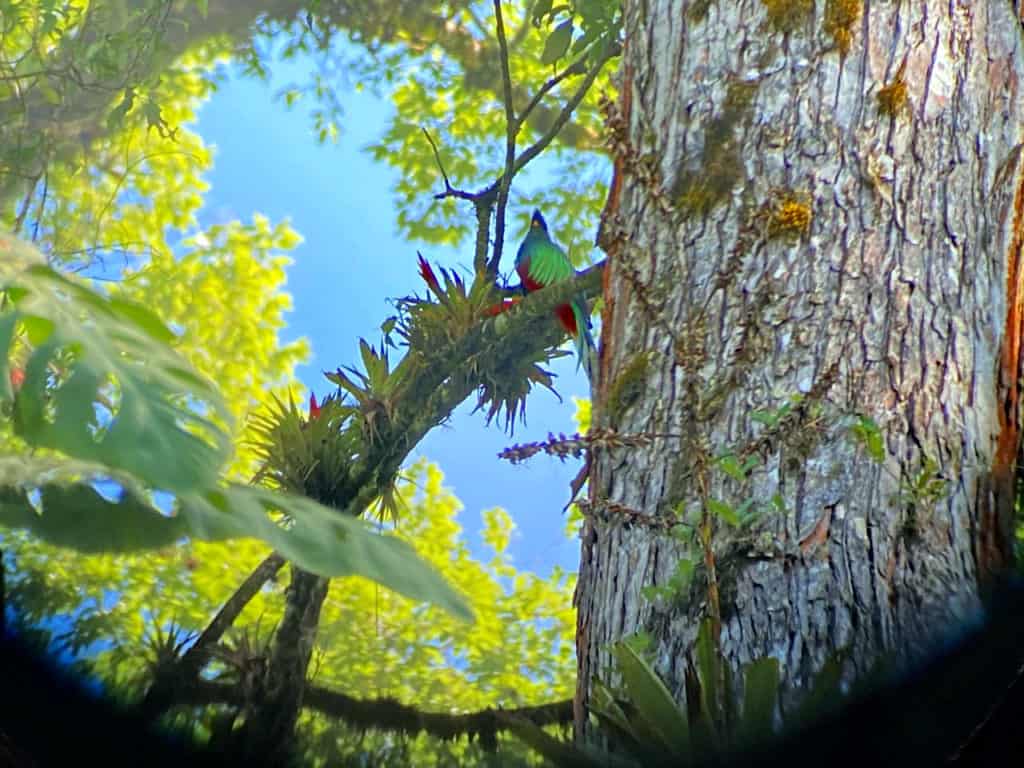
(540, 263)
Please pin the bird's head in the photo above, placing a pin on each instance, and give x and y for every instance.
(537, 223)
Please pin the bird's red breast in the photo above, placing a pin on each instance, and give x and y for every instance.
(563, 312)
(528, 282)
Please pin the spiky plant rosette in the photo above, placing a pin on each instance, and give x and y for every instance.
(303, 455)
(164, 650)
(506, 368)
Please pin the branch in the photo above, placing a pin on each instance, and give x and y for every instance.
(188, 667)
(268, 733)
(77, 117)
(575, 445)
(439, 386)
(609, 52)
(482, 202)
(511, 129)
(197, 655)
(576, 68)
(392, 715)
(514, 165)
(483, 206)
(449, 190)
(434, 389)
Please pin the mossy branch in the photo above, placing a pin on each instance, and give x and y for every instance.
(451, 376)
(392, 715)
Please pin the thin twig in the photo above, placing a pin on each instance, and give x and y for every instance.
(576, 68)
(1000, 702)
(449, 190)
(511, 129)
(190, 664)
(42, 206)
(437, 157)
(20, 219)
(570, 107)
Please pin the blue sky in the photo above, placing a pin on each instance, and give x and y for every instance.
(351, 261)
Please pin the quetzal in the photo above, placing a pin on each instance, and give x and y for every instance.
(540, 263)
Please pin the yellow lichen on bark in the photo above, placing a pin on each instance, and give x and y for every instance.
(840, 16)
(785, 15)
(792, 216)
(893, 96)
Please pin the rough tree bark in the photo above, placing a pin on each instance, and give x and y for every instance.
(787, 219)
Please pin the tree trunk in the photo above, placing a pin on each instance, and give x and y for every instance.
(268, 735)
(824, 199)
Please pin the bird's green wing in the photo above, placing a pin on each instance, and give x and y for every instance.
(549, 264)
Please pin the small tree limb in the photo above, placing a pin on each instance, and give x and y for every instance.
(611, 50)
(576, 68)
(392, 715)
(511, 129)
(187, 669)
(449, 190)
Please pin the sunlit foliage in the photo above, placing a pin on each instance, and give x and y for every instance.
(116, 194)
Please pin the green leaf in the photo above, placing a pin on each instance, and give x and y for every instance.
(320, 540)
(683, 575)
(37, 329)
(731, 466)
(653, 592)
(142, 318)
(825, 691)
(71, 513)
(79, 518)
(653, 701)
(639, 642)
(709, 667)
(587, 38)
(761, 687)
(746, 514)
(724, 511)
(541, 9)
(607, 710)
(560, 753)
(867, 433)
(8, 322)
(557, 43)
(114, 351)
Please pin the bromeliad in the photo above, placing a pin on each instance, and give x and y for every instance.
(540, 263)
(314, 409)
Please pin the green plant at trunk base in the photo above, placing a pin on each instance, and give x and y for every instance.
(645, 725)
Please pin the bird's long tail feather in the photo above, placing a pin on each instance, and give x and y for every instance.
(586, 350)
